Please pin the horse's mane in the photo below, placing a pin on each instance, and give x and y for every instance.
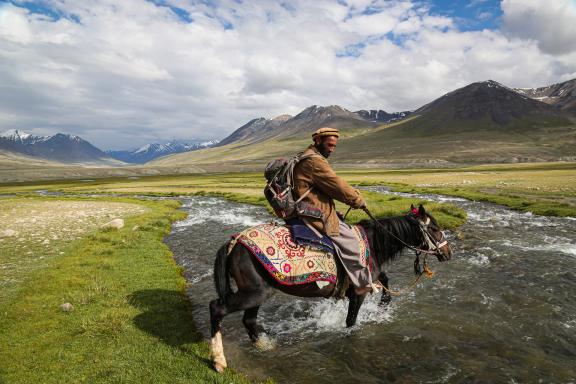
(386, 247)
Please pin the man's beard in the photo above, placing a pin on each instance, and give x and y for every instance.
(322, 149)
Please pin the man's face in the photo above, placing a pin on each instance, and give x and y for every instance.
(326, 145)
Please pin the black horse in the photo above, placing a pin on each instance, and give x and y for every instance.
(388, 237)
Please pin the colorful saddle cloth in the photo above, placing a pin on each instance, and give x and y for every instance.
(290, 263)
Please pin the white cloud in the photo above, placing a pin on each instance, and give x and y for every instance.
(132, 72)
(550, 23)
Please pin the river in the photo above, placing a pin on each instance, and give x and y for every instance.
(503, 310)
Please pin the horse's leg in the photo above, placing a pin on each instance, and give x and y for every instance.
(241, 300)
(217, 313)
(252, 292)
(386, 297)
(353, 307)
(251, 323)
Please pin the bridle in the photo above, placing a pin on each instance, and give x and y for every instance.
(429, 240)
(433, 245)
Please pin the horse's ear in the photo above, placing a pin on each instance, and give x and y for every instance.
(421, 211)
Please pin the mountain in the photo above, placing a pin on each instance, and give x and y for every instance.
(255, 130)
(380, 116)
(150, 152)
(300, 126)
(481, 122)
(487, 101)
(561, 96)
(314, 117)
(59, 147)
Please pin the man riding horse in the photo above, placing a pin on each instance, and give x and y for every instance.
(260, 259)
(316, 183)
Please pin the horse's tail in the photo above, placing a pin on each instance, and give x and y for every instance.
(221, 275)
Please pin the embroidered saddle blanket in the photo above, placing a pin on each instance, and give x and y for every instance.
(291, 263)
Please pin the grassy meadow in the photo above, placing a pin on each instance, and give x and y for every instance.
(131, 320)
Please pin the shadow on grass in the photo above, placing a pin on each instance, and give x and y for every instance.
(166, 315)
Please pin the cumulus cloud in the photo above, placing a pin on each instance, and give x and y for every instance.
(552, 24)
(126, 73)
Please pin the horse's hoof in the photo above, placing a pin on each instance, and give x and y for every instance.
(264, 343)
(219, 367)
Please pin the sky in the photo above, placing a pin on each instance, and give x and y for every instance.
(124, 73)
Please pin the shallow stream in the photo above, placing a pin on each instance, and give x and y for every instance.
(503, 310)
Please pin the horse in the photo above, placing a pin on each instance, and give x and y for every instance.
(388, 237)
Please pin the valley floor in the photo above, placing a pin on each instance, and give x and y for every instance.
(131, 320)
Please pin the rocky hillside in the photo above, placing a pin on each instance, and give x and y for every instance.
(561, 96)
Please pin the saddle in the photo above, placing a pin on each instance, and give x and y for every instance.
(303, 235)
(306, 260)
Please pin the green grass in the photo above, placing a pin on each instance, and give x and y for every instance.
(131, 320)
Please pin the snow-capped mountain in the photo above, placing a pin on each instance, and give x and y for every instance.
(380, 116)
(152, 151)
(60, 147)
(561, 95)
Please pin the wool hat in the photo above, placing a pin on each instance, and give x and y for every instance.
(326, 131)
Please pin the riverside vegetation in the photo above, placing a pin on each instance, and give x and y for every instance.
(131, 319)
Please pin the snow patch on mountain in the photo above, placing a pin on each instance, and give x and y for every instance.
(152, 151)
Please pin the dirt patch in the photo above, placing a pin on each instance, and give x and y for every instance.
(43, 221)
(32, 231)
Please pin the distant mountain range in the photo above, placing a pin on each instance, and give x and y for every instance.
(380, 116)
(310, 119)
(481, 122)
(59, 147)
(150, 152)
(67, 149)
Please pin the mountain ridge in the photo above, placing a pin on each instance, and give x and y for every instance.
(560, 95)
(480, 122)
(60, 147)
(152, 151)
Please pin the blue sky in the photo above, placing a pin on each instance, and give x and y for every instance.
(130, 72)
(470, 15)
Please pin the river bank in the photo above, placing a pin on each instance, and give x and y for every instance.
(542, 188)
(129, 319)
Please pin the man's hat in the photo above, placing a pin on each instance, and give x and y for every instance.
(326, 131)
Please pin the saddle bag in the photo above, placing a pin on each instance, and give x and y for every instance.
(279, 189)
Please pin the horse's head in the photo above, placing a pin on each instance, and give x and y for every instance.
(434, 239)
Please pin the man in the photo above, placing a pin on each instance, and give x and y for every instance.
(316, 183)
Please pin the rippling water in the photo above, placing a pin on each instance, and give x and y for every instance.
(503, 310)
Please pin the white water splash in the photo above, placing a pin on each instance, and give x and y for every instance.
(202, 210)
(565, 248)
(301, 319)
(478, 259)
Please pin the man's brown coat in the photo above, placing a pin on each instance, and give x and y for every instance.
(316, 172)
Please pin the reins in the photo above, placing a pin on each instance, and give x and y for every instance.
(419, 271)
(415, 249)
